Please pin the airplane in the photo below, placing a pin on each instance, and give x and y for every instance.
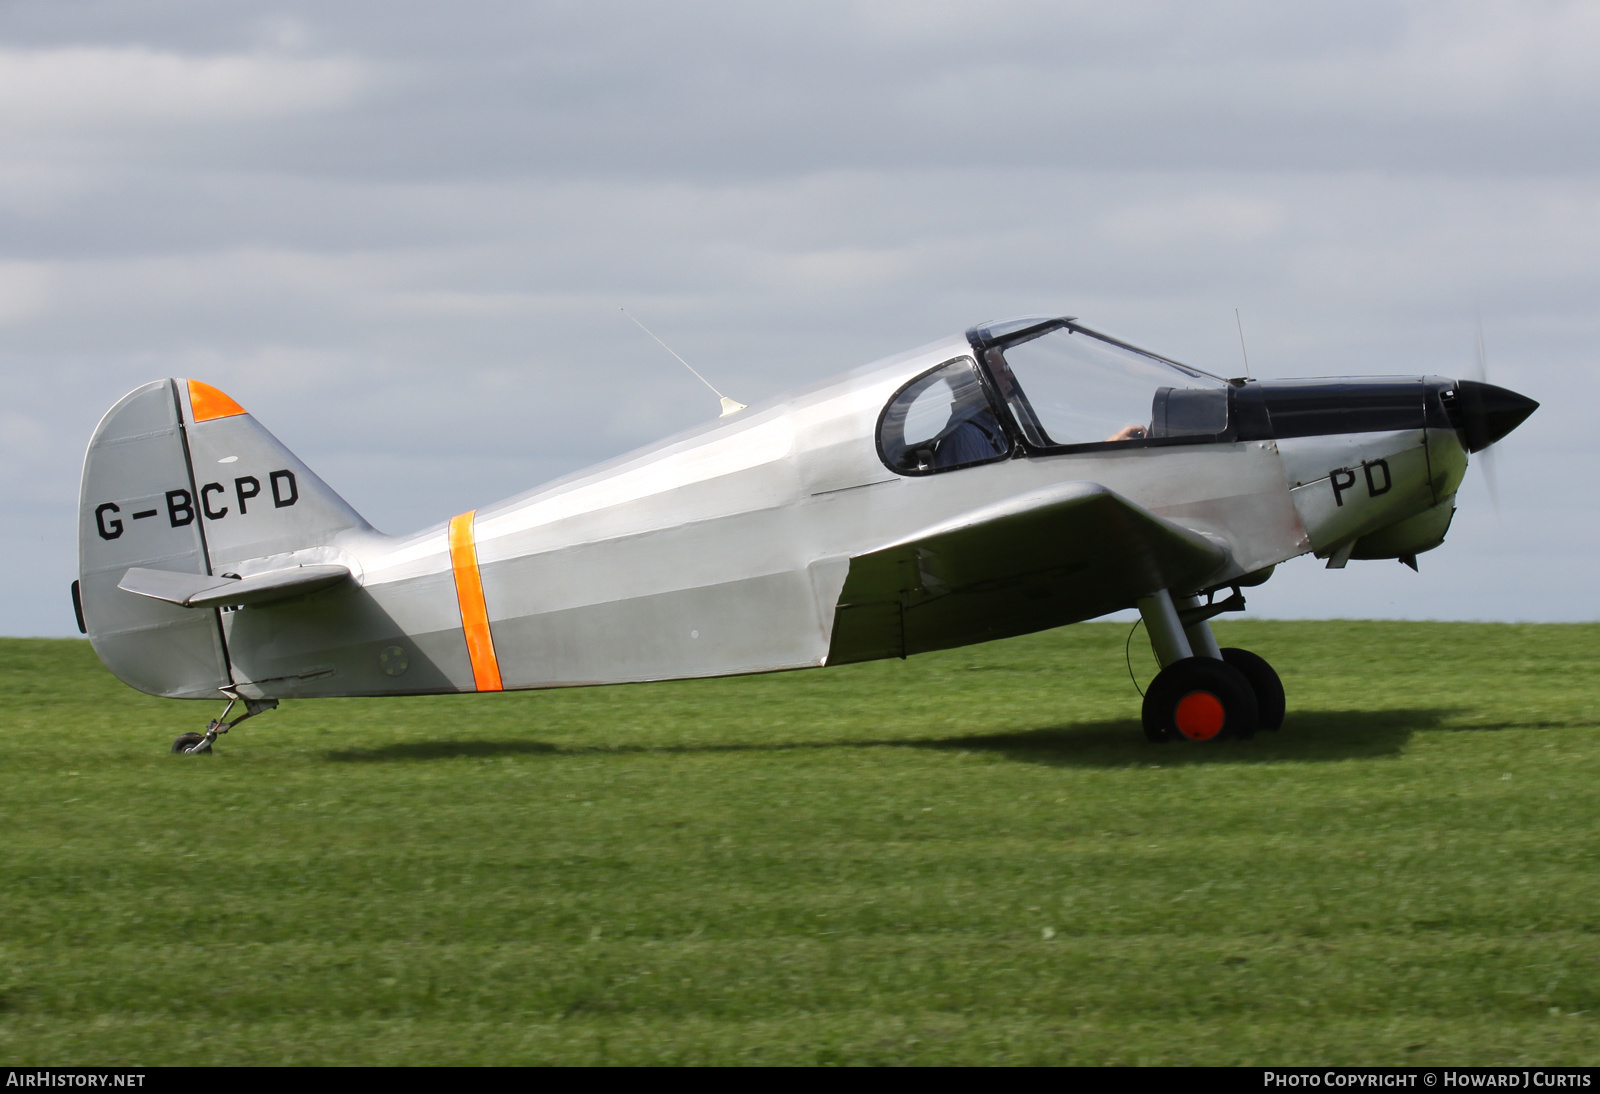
(1024, 475)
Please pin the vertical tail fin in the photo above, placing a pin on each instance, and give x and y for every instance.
(178, 477)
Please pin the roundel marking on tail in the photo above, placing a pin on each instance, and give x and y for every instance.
(209, 403)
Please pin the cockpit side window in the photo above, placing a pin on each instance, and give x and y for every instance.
(940, 421)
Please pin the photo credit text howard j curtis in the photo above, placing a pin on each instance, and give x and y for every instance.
(1424, 1078)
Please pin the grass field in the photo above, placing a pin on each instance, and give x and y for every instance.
(968, 857)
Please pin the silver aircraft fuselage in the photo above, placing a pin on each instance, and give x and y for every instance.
(727, 549)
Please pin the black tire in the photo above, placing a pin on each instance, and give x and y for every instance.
(1154, 732)
(187, 741)
(1199, 699)
(1270, 703)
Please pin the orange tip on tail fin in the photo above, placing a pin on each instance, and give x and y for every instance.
(208, 403)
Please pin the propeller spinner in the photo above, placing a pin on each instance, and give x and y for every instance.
(1488, 413)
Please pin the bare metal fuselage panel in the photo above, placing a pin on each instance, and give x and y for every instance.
(775, 539)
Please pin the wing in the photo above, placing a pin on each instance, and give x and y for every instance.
(1042, 559)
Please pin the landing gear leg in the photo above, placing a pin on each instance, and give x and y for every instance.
(1201, 640)
(1180, 630)
(1161, 622)
(1198, 698)
(195, 743)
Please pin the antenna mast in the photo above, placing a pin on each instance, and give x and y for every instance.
(1243, 352)
(729, 406)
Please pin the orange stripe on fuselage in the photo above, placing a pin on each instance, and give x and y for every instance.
(474, 611)
(208, 403)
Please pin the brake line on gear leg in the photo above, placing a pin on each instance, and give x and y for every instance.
(1127, 655)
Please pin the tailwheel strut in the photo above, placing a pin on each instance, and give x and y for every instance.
(194, 743)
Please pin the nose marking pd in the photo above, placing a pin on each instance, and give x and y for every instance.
(1343, 478)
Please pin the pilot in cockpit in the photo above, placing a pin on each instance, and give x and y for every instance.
(973, 433)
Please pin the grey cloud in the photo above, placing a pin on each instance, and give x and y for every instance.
(723, 90)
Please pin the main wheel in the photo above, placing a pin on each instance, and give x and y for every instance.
(187, 741)
(1264, 682)
(1199, 699)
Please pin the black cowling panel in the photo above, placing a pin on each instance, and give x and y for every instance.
(1311, 408)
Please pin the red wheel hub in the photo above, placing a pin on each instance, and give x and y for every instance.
(1200, 716)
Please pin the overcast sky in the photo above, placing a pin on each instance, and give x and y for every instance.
(399, 233)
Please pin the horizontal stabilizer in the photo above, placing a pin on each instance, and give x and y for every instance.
(202, 591)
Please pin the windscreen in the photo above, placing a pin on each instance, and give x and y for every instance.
(1070, 386)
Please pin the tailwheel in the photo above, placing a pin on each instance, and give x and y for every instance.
(1264, 682)
(189, 744)
(1199, 699)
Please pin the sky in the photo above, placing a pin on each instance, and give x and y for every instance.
(400, 233)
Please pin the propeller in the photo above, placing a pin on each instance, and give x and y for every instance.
(1487, 413)
(1490, 479)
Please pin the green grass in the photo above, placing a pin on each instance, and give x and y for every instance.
(967, 857)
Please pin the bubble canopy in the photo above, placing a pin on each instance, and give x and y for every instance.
(1046, 385)
(1066, 386)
